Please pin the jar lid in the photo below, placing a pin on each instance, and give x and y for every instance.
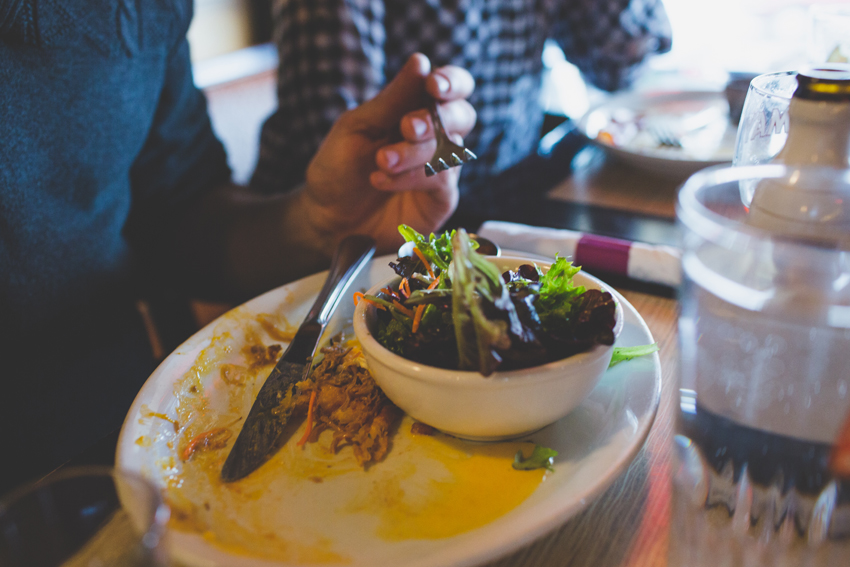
(829, 82)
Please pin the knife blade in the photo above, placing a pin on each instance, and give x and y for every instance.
(262, 434)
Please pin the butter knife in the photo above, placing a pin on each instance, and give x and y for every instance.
(262, 433)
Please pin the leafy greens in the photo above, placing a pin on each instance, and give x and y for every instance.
(454, 309)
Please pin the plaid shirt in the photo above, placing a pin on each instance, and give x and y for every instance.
(335, 54)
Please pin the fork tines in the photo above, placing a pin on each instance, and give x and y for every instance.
(447, 151)
(439, 163)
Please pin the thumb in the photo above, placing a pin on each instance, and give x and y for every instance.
(402, 95)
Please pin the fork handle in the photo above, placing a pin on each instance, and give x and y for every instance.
(434, 111)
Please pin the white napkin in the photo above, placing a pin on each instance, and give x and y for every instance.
(645, 262)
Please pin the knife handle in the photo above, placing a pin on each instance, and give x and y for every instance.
(348, 259)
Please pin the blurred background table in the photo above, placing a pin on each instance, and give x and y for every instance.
(599, 180)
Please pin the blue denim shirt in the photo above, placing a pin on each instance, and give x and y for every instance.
(102, 133)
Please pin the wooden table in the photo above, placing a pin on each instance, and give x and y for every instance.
(601, 180)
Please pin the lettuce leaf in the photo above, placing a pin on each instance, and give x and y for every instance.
(557, 292)
(478, 337)
(394, 336)
(437, 249)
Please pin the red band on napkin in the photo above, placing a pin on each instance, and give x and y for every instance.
(603, 254)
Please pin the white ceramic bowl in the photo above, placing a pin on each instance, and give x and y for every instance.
(465, 404)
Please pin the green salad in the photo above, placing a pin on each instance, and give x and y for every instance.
(454, 309)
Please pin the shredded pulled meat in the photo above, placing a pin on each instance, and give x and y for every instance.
(419, 428)
(349, 403)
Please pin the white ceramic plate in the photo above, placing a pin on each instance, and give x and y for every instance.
(699, 118)
(354, 517)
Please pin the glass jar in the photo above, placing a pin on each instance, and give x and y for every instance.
(764, 391)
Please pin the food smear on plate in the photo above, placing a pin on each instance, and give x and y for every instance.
(480, 486)
(310, 505)
(317, 502)
(454, 309)
(339, 395)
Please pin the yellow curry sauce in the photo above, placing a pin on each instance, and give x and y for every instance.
(311, 505)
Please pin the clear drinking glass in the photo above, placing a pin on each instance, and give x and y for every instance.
(764, 384)
(763, 127)
(84, 517)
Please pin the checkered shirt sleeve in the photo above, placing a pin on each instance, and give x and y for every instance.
(609, 39)
(334, 54)
(331, 56)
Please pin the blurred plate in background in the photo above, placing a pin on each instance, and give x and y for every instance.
(672, 134)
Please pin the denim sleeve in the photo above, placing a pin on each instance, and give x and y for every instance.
(181, 157)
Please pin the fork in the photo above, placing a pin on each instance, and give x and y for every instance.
(664, 136)
(447, 151)
(669, 135)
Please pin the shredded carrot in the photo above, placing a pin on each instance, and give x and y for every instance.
(420, 309)
(375, 303)
(214, 439)
(605, 138)
(424, 261)
(390, 292)
(404, 287)
(358, 295)
(403, 309)
(417, 318)
(309, 429)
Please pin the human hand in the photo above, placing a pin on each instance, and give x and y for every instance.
(368, 175)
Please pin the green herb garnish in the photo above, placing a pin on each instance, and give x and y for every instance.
(437, 249)
(541, 457)
(627, 353)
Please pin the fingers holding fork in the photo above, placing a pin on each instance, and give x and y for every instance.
(402, 163)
